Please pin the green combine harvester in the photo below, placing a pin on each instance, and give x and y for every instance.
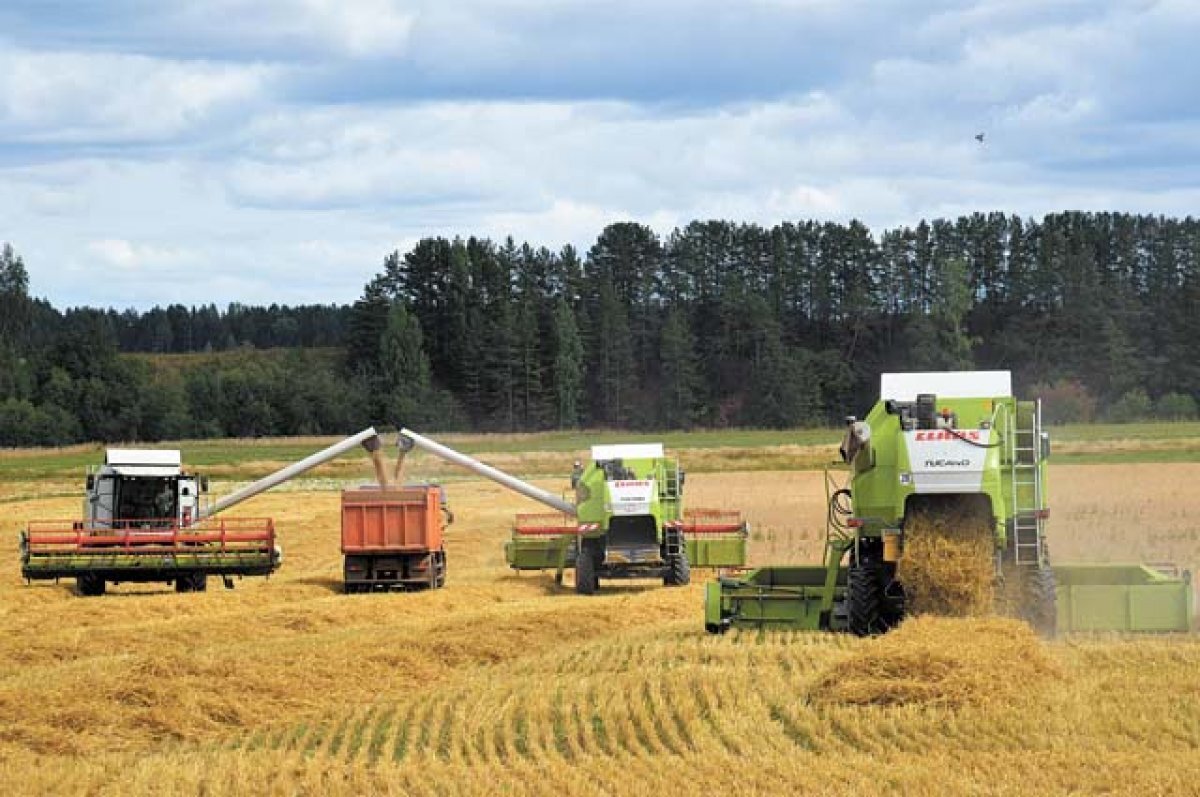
(628, 519)
(936, 443)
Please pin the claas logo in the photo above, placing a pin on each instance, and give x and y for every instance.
(942, 434)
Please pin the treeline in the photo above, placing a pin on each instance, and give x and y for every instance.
(718, 324)
(64, 378)
(178, 330)
(737, 324)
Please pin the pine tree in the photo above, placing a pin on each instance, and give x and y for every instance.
(679, 398)
(14, 295)
(368, 320)
(568, 366)
(404, 368)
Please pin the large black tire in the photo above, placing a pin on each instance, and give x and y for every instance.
(440, 579)
(895, 601)
(90, 585)
(1040, 601)
(586, 580)
(191, 582)
(864, 602)
(679, 571)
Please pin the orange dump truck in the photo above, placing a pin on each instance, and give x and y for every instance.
(392, 538)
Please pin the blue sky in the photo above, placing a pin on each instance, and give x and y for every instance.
(275, 150)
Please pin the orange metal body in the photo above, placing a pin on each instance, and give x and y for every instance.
(393, 520)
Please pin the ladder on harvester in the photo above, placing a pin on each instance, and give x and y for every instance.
(1028, 497)
(668, 486)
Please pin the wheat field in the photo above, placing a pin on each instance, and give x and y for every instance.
(506, 684)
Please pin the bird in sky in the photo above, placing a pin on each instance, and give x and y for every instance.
(979, 137)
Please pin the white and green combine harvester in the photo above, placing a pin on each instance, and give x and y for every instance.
(949, 445)
(627, 520)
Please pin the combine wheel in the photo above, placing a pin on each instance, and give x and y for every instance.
(679, 572)
(89, 585)
(191, 582)
(895, 600)
(864, 599)
(586, 580)
(1040, 601)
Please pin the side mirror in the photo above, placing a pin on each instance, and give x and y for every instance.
(1045, 444)
(204, 484)
(91, 482)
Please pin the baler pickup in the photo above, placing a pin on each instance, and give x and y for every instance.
(131, 550)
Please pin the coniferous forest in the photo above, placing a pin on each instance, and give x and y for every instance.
(716, 324)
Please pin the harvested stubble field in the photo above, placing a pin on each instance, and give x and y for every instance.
(506, 684)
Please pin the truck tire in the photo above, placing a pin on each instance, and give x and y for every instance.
(864, 602)
(89, 585)
(586, 580)
(441, 570)
(679, 571)
(1040, 601)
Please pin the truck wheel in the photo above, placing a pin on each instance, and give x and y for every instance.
(90, 585)
(1041, 601)
(586, 580)
(441, 570)
(864, 602)
(679, 571)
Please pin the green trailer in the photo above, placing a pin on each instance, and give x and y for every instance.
(1124, 597)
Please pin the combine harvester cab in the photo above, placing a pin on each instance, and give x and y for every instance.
(145, 519)
(628, 520)
(956, 447)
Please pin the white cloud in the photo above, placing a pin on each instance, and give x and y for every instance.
(97, 97)
(131, 256)
(355, 28)
(221, 178)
